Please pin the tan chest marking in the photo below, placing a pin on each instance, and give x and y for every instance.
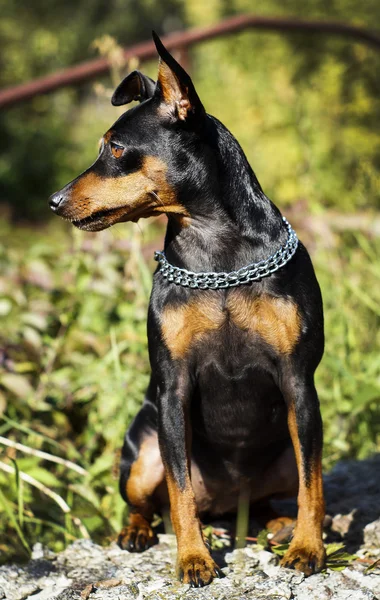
(275, 320)
(184, 325)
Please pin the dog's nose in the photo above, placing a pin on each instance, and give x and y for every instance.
(55, 200)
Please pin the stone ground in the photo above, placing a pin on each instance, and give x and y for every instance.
(85, 570)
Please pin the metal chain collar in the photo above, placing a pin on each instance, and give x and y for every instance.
(214, 281)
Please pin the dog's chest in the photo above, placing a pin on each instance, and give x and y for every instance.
(274, 320)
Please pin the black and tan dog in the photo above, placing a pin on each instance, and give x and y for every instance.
(231, 404)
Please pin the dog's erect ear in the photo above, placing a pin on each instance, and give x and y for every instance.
(176, 88)
(135, 86)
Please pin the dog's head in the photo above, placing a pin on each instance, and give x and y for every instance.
(146, 157)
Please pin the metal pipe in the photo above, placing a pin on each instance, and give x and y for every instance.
(145, 50)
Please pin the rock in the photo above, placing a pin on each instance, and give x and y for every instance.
(37, 551)
(352, 491)
(342, 523)
(113, 574)
(21, 591)
(372, 535)
(86, 571)
(369, 580)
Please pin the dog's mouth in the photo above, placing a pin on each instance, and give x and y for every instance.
(102, 219)
(97, 220)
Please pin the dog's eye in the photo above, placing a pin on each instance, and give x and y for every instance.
(116, 149)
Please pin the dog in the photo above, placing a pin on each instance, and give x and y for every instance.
(235, 325)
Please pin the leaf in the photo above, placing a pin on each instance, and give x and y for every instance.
(365, 395)
(262, 539)
(5, 307)
(29, 431)
(364, 298)
(337, 558)
(20, 495)
(333, 548)
(13, 520)
(102, 464)
(208, 532)
(374, 565)
(32, 337)
(87, 493)
(281, 549)
(35, 320)
(3, 403)
(59, 528)
(24, 367)
(17, 384)
(44, 476)
(115, 355)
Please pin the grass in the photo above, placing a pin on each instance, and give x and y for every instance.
(74, 368)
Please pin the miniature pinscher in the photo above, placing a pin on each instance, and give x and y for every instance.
(235, 326)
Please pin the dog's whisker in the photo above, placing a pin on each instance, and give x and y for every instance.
(157, 198)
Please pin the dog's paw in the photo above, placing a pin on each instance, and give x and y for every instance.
(198, 569)
(305, 558)
(137, 537)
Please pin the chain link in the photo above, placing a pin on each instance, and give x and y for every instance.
(215, 281)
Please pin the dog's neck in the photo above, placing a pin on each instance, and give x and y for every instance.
(232, 223)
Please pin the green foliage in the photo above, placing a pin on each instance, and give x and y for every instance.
(281, 549)
(348, 380)
(262, 539)
(74, 368)
(73, 353)
(337, 558)
(74, 372)
(372, 567)
(40, 148)
(312, 101)
(312, 104)
(214, 541)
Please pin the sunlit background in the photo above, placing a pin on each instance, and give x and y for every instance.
(73, 355)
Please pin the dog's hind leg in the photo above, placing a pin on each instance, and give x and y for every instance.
(141, 473)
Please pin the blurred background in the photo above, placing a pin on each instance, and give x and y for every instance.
(73, 354)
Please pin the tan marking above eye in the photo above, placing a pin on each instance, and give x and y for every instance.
(275, 320)
(107, 136)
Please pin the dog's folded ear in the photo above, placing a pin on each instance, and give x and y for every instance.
(135, 86)
(177, 91)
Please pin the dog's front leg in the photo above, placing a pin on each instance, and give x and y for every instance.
(194, 563)
(306, 552)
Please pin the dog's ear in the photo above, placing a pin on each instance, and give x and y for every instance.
(175, 86)
(135, 86)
